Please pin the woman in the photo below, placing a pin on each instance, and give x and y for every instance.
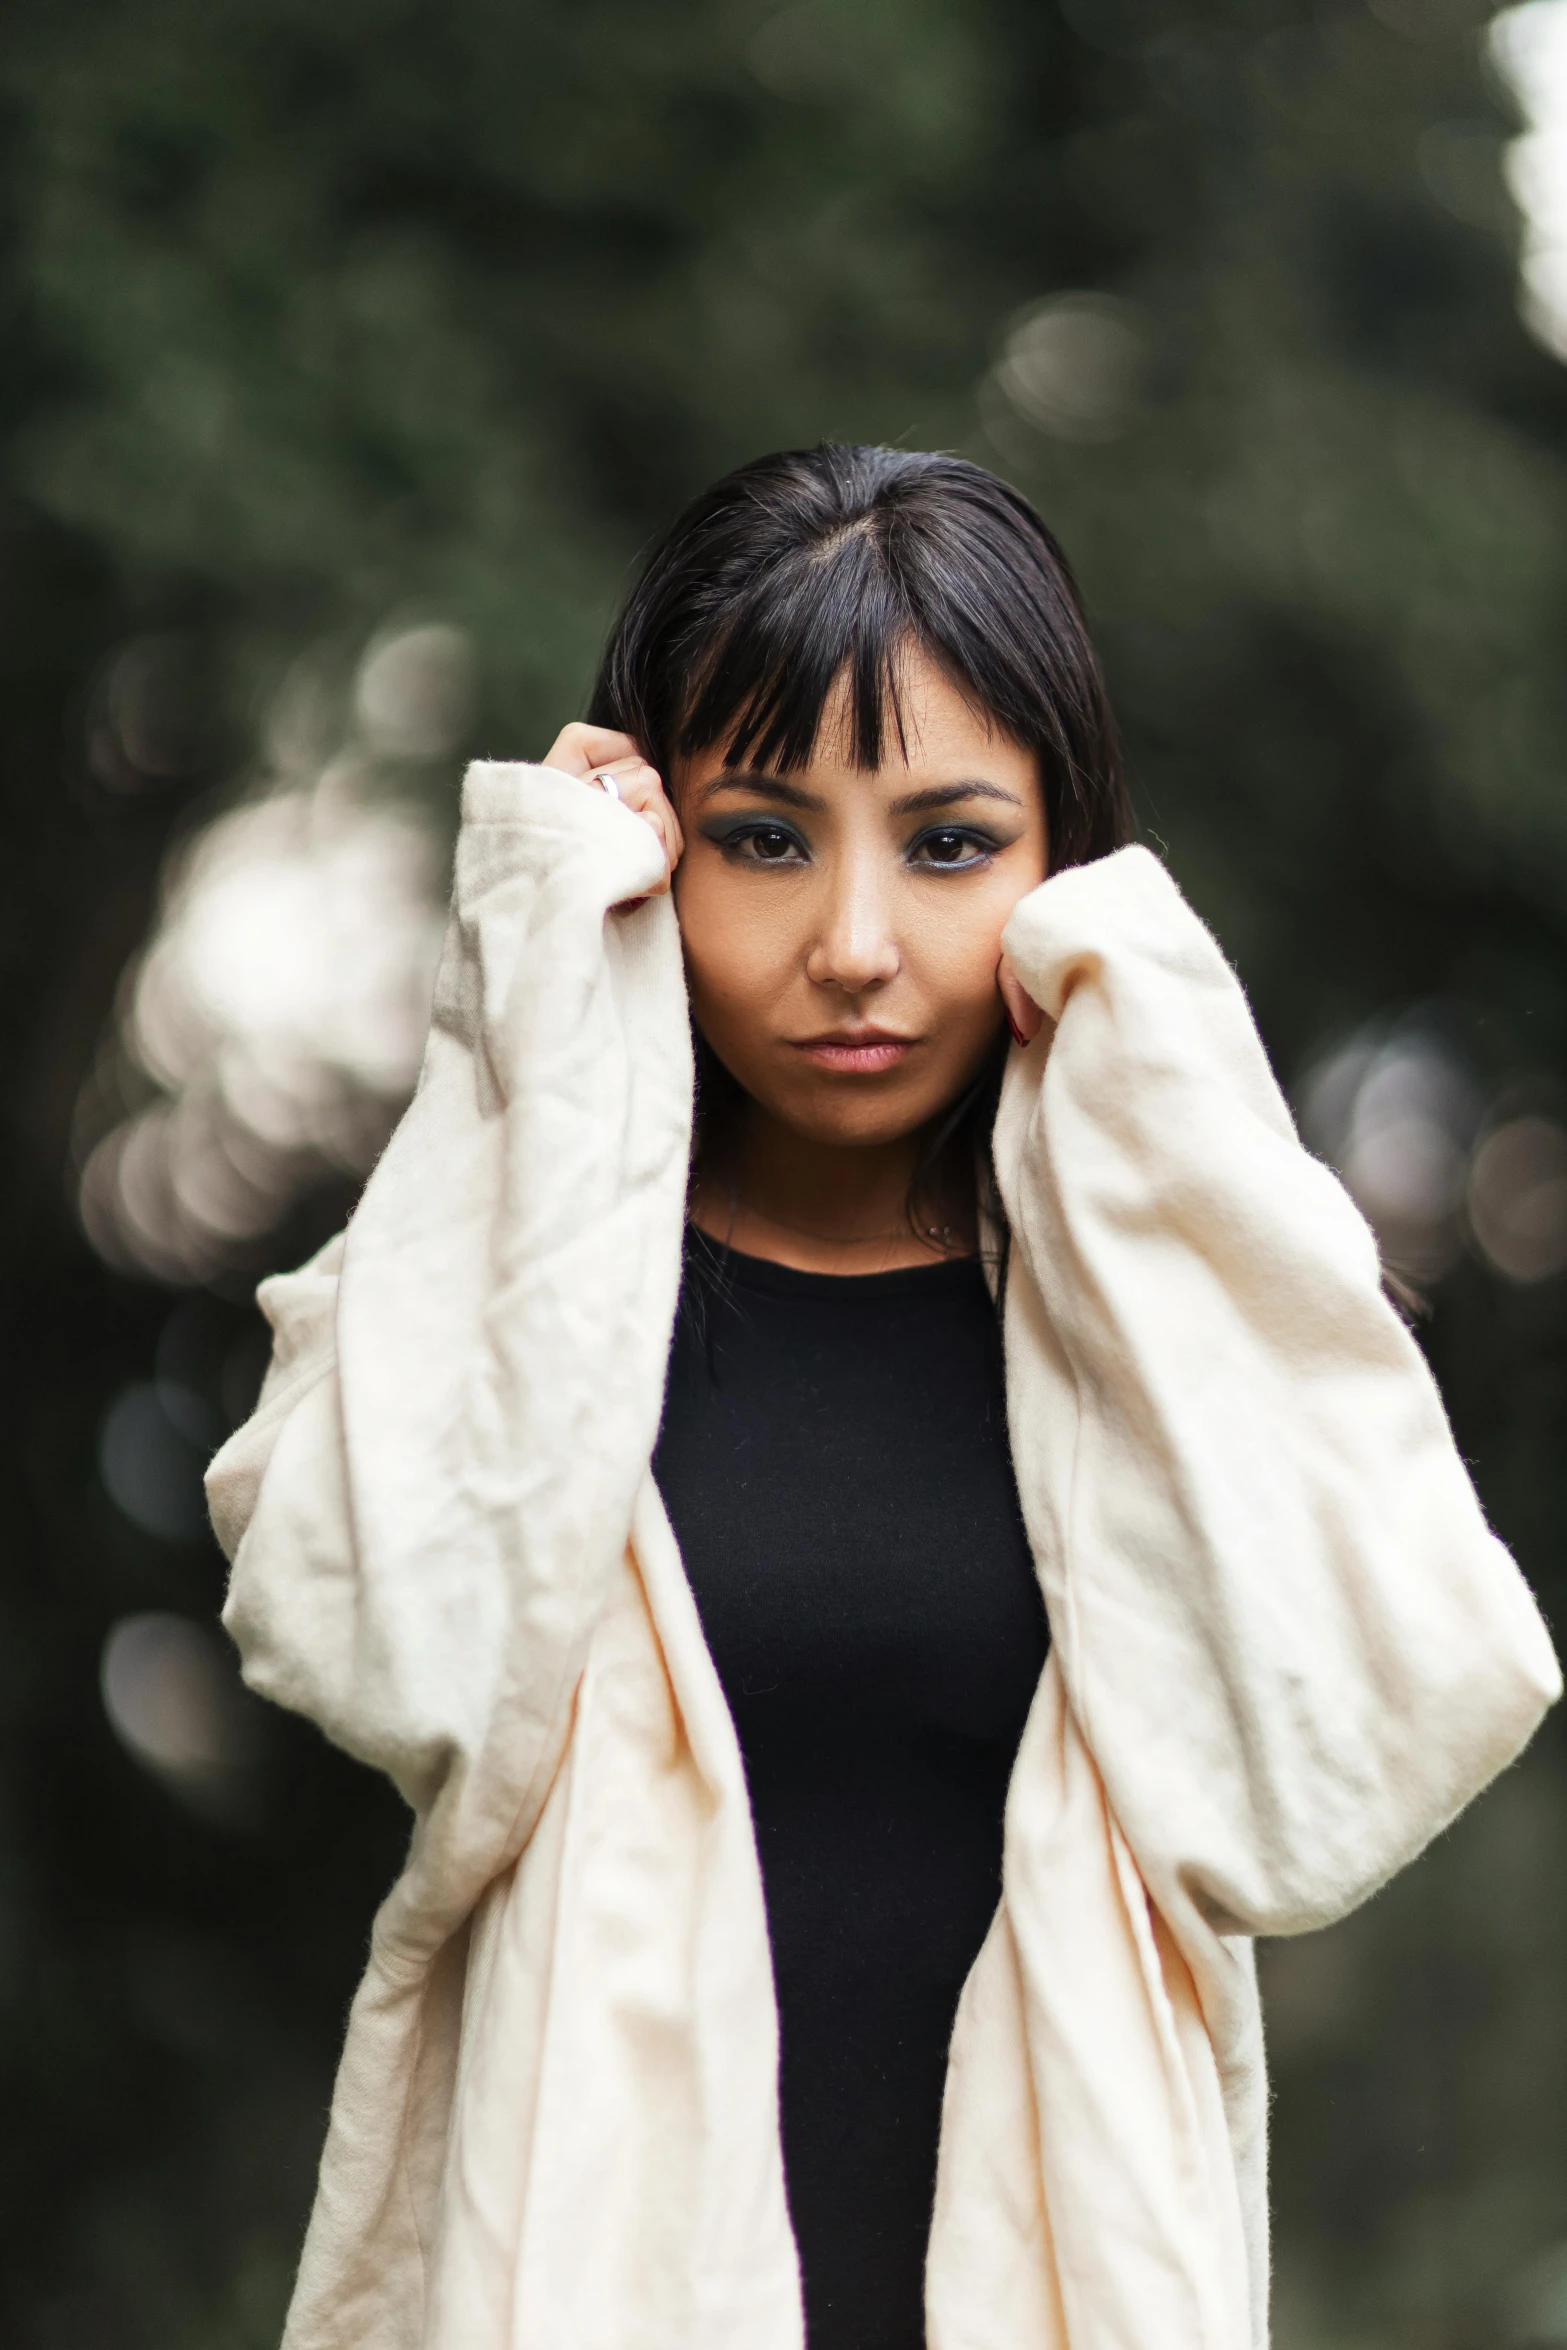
(793, 1895)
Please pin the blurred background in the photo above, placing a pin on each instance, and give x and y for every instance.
(347, 358)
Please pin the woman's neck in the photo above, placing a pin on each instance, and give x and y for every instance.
(826, 1207)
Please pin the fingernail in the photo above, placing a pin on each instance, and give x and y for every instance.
(1017, 1034)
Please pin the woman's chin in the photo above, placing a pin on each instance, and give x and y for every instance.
(853, 1113)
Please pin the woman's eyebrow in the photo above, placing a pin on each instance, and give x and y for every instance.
(948, 795)
(765, 787)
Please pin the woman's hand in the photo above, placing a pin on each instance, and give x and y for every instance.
(591, 751)
(1023, 1014)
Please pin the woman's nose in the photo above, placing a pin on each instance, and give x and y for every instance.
(856, 947)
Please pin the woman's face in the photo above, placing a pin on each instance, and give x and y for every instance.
(842, 927)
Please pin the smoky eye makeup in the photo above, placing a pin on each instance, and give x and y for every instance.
(956, 848)
(756, 839)
(766, 836)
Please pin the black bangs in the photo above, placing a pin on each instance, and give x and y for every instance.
(820, 565)
(818, 614)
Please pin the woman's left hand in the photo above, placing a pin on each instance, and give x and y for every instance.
(1024, 1014)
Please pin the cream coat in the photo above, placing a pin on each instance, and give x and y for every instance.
(1286, 1649)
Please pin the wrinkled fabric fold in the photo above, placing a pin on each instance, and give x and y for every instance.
(1286, 1649)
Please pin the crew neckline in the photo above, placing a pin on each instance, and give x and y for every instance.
(734, 1267)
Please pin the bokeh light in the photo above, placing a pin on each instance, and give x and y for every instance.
(174, 1699)
(1530, 46)
(157, 1440)
(150, 718)
(1073, 366)
(1399, 1113)
(1395, 1112)
(1517, 1198)
(274, 1023)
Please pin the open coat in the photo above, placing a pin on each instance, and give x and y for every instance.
(1286, 1649)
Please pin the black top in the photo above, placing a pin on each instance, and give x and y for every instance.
(834, 1461)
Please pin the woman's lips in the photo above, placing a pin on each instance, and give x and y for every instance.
(864, 1052)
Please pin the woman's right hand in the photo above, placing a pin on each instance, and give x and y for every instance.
(591, 751)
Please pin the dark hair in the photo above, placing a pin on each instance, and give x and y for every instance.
(815, 564)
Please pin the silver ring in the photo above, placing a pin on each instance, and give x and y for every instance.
(606, 782)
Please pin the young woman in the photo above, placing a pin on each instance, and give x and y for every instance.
(874, 1600)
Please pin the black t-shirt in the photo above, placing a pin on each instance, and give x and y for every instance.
(834, 1461)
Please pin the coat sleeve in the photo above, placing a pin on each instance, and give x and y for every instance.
(1290, 1639)
(437, 1484)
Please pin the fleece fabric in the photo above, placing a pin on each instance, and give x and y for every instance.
(1286, 1649)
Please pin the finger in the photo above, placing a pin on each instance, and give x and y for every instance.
(1023, 1013)
(659, 813)
(640, 790)
(662, 818)
(579, 749)
(647, 800)
(638, 784)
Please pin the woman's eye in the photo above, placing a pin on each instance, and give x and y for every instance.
(771, 843)
(950, 848)
(758, 843)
